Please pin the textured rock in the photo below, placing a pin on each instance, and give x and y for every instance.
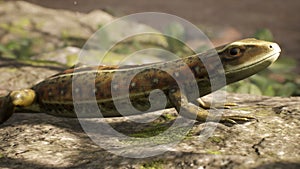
(50, 29)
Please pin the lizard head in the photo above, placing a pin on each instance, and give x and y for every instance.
(246, 57)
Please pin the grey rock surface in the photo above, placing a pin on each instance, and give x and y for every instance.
(50, 28)
(38, 140)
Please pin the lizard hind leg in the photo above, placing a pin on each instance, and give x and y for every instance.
(22, 98)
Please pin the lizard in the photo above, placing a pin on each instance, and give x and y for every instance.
(55, 95)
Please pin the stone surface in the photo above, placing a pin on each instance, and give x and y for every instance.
(47, 29)
(42, 141)
(50, 29)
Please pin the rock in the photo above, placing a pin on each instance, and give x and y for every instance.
(48, 29)
(37, 140)
(95, 19)
(44, 30)
(17, 75)
(66, 56)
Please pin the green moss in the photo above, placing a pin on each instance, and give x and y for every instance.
(17, 27)
(158, 164)
(11, 69)
(157, 134)
(215, 139)
(214, 152)
(4, 26)
(17, 49)
(150, 132)
(23, 22)
(71, 60)
(169, 117)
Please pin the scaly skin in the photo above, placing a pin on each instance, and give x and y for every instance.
(175, 79)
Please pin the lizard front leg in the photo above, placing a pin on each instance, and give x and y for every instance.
(190, 110)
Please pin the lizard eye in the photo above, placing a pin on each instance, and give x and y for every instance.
(234, 53)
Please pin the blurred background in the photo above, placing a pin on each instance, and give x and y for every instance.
(222, 21)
